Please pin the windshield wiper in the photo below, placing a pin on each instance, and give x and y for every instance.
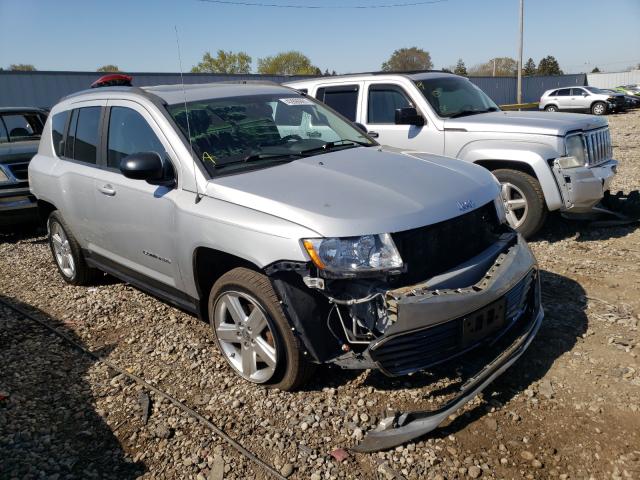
(331, 145)
(464, 113)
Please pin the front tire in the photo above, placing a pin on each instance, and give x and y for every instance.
(67, 253)
(524, 201)
(550, 108)
(598, 108)
(252, 332)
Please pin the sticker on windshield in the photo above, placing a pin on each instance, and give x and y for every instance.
(296, 101)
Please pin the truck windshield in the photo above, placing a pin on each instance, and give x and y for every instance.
(16, 127)
(455, 96)
(255, 131)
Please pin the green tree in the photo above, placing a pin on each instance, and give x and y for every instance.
(595, 70)
(287, 63)
(549, 66)
(460, 68)
(502, 66)
(529, 68)
(108, 68)
(408, 59)
(224, 62)
(22, 67)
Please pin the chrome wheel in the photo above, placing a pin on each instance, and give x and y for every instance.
(62, 250)
(245, 337)
(515, 205)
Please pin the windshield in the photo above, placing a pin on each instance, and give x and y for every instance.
(455, 96)
(596, 90)
(236, 133)
(16, 127)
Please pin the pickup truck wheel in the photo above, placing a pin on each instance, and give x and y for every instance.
(67, 253)
(252, 332)
(523, 200)
(599, 108)
(550, 108)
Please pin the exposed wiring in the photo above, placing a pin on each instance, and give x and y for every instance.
(355, 301)
(192, 413)
(327, 7)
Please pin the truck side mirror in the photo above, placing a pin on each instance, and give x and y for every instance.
(408, 116)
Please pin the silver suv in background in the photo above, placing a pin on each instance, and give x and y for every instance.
(582, 99)
(297, 237)
(544, 162)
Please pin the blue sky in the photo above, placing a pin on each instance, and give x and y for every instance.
(138, 35)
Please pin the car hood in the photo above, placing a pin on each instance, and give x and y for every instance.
(360, 191)
(18, 150)
(539, 123)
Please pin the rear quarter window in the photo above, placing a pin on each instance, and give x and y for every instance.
(58, 124)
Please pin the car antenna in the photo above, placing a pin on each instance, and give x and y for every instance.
(186, 114)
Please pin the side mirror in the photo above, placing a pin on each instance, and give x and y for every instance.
(585, 94)
(408, 116)
(146, 166)
(360, 127)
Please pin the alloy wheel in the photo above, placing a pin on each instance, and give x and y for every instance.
(515, 204)
(245, 336)
(62, 250)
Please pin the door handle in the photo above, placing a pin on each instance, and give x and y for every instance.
(373, 134)
(107, 190)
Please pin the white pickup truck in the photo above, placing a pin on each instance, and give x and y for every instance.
(544, 161)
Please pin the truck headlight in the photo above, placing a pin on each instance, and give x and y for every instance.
(576, 152)
(368, 253)
(3, 176)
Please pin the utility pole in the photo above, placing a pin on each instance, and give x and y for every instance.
(520, 52)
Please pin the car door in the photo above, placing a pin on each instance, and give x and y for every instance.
(381, 100)
(78, 134)
(579, 99)
(564, 99)
(138, 234)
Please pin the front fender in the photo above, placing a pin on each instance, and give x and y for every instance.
(533, 154)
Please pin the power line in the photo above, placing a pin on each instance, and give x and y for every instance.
(317, 7)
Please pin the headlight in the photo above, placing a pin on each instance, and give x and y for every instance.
(369, 253)
(500, 211)
(576, 154)
(3, 176)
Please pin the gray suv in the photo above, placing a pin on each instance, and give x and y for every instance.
(294, 234)
(585, 99)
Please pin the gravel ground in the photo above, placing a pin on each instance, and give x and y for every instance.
(569, 408)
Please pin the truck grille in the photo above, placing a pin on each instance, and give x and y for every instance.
(599, 149)
(434, 249)
(422, 349)
(20, 170)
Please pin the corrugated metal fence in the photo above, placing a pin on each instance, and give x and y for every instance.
(503, 90)
(44, 89)
(613, 80)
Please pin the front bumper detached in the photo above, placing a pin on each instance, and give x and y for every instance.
(583, 188)
(439, 321)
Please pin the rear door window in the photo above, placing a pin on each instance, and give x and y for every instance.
(564, 92)
(343, 99)
(129, 133)
(383, 102)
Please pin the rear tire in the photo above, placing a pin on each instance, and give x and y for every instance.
(274, 355)
(599, 108)
(67, 253)
(550, 108)
(524, 201)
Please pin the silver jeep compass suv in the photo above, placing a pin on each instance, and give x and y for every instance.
(294, 234)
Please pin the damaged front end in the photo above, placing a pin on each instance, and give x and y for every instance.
(489, 297)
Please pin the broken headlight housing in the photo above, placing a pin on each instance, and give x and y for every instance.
(576, 154)
(352, 255)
